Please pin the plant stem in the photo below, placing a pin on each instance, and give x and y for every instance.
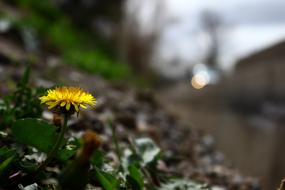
(115, 139)
(57, 144)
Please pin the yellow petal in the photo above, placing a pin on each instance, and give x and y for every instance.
(76, 107)
(67, 97)
(52, 105)
(83, 106)
(62, 103)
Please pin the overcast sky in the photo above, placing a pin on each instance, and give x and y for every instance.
(249, 26)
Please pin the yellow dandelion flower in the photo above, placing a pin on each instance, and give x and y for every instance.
(68, 98)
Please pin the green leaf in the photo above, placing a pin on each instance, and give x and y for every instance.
(7, 158)
(107, 181)
(35, 133)
(66, 154)
(135, 178)
(26, 76)
(97, 159)
(28, 166)
(5, 165)
(69, 150)
(6, 153)
(181, 184)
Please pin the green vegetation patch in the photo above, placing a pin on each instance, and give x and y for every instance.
(77, 47)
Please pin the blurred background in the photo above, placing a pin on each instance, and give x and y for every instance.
(215, 64)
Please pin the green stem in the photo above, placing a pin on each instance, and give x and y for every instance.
(57, 144)
(115, 139)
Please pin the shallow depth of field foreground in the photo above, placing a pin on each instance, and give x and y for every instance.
(142, 95)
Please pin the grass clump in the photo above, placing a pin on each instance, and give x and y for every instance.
(78, 47)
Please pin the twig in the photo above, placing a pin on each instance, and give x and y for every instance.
(282, 185)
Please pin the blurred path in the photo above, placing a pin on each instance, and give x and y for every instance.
(251, 142)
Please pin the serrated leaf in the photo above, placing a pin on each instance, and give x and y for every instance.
(35, 133)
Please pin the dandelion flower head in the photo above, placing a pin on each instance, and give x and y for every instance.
(68, 98)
